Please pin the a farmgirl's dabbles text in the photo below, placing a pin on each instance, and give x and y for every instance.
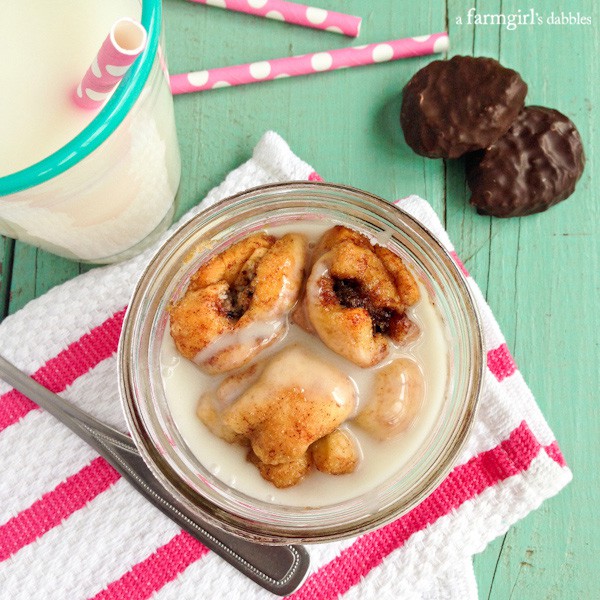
(305, 365)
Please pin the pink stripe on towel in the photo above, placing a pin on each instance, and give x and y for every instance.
(150, 575)
(56, 506)
(63, 369)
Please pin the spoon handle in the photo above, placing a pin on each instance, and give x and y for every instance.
(279, 569)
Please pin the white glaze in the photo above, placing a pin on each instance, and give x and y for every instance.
(257, 333)
(184, 383)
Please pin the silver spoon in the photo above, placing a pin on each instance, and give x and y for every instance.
(279, 569)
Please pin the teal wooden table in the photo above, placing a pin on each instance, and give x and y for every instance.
(540, 274)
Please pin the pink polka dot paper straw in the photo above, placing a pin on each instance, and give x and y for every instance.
(292, 12)
(306, 64)
(124, 43)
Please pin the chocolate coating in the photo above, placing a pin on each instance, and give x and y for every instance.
(451, 107)
(535, 165)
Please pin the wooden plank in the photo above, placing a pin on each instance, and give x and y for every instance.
(22, 283)
(53, 270)
(533, 263)
(472, 233)
(345, 123)
(6, 259)
(35, 272)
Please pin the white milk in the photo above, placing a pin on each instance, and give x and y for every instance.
(184, 384)
(119, 194)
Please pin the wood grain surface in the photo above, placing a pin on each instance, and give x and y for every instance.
(540, 274)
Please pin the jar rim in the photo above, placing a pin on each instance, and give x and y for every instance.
(159, 456)
(104, 123)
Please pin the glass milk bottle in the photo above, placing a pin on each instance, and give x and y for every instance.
(93, 186)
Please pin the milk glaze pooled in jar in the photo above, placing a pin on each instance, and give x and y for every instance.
(305, 365)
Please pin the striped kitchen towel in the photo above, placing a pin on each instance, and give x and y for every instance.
(71, 528)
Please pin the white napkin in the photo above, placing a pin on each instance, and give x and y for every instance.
(70, 527)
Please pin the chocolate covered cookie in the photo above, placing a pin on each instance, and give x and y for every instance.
(451, 107)
(535, 165)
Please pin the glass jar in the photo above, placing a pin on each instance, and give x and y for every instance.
(165, 280)
(110, 192)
